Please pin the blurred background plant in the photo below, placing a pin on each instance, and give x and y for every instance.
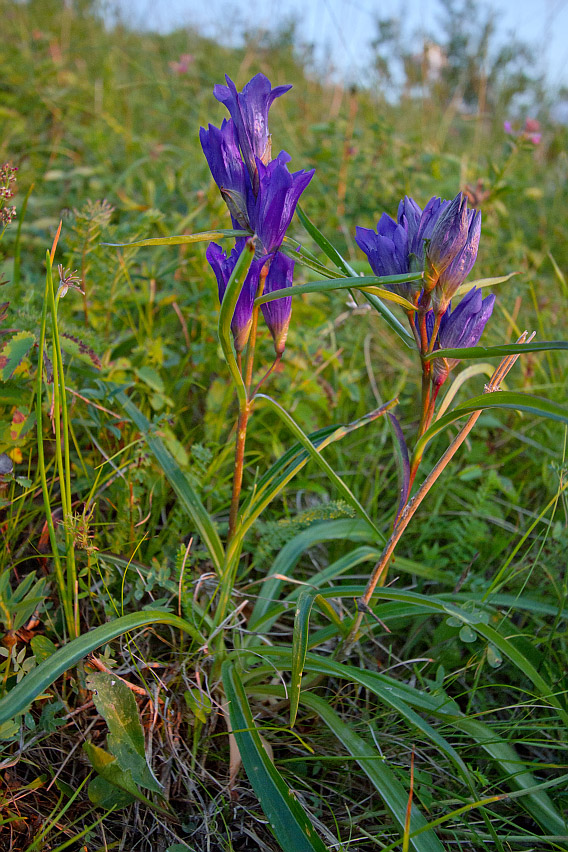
(102, 123)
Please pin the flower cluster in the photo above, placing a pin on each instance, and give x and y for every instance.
(530, 132)
(7, 181)
(261, 195)
(459, 328)
(441, 241)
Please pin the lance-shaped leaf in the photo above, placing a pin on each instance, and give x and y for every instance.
(183, 239)
(188, 496)
(13, 353)
(498, 399)
(116, 704)
(291, 824)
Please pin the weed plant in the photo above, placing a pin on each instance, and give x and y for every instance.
(191, 665)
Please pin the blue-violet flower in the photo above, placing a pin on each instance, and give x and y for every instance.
(459, 328)
(223, 267)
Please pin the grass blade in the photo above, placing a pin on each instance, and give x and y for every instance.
(498, 399)
(375, 768)
(343, 489)
(470, 352)
(183, 239)
(41, 677)
(300, 647)
(180, 484)
(369, 284)
(290, 823)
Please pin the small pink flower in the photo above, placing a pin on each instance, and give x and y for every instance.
(532, 125)
(182, 66)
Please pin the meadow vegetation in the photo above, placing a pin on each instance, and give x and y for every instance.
(438, 719)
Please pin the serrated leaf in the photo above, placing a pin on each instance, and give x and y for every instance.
(13, 353)
(78, 349)
(116, 703)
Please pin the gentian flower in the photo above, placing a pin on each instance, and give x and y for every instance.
(261, 195)
(223, 267)
(249, 111)
(221, 150)
(277, 313)
(398, 247)
(452, 250)
(278, 195)
(459, 328)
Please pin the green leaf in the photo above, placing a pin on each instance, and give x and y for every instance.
(392, 321)
(399, 695)
(343, 489)
(291, 824)
(121, 780)
(80, 350)
(324, 243)
(342, 264)
(226, 313)
(299, 648)
(484, 282)
(42, 676)
(348, 529)
(498, 399)
(292, 461)
(105, 795)
(365, 284)
(470, 352)
(13, 353)
(116, 704)
(378, 772)
(187, 495)
(183, 239)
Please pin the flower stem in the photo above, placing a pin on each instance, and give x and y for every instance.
(408, 512)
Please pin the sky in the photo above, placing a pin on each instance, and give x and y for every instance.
(342, 29)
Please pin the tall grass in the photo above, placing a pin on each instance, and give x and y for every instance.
(117, 431)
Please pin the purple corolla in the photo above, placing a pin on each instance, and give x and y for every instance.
(396, 248)
(278, 195)
(459, 328)
(221, 150)
(223, 267)
(277, 313)
(249, 111)
(452, 250)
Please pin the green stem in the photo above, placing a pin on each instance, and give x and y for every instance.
(60, 414)
(408, 512)
(67, 608)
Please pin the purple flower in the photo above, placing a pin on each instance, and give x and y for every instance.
(452, 249)
(249, 111)
(229, 172)
(277, 313)
(223, 267)
(459, 328)
(398, 247)
(278, 195)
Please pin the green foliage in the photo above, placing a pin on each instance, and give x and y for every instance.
(462, 658)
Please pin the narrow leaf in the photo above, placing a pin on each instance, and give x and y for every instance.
(290, 823)
(324, 243)
(182, 240)
(42, 676)
(228, 305)
(299, 647)
(378, 772)
(188, 496)
(344, 490)
(484, 282)
(368, 284)
(471, 352)
(498, 399)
